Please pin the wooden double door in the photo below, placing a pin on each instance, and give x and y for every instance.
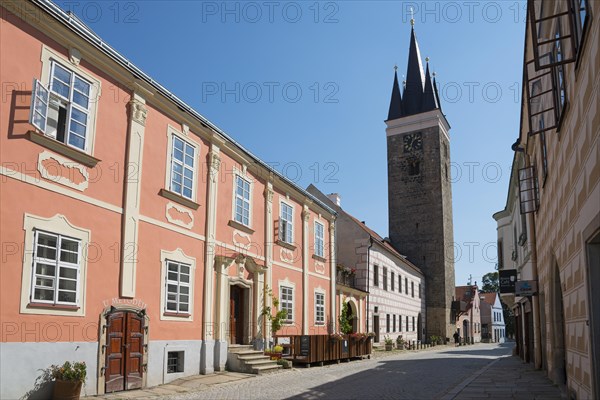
(124, 351)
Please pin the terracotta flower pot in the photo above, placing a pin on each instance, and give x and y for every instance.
(66, 390)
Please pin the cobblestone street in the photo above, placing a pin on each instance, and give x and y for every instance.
(471, 372)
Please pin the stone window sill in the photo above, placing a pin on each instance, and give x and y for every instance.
(61, 148)
(167, 194)
(287, 245)
(319, 258)
(180, 315)
(53, 306)
(240, 227)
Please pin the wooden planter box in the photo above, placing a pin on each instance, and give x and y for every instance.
(273, 355)
(322, 348)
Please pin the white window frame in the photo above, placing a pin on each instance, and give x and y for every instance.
(288, 304)
(49, 59)
(319, 239)
(319, 307)
(55, 226)
(172, 133)
(286, 227)
(58, 265)
(179, 257)
(237, 197)
(179, 283)
(187, 171)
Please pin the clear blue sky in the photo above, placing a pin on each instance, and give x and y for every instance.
(306, 86)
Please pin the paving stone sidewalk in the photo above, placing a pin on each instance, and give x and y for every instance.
(188, 384)
(503, 377)
(507, 378)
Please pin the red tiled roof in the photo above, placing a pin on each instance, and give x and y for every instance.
(489, 298)
(465, 293)
(381, 241)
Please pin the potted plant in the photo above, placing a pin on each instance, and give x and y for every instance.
(389, 343)
(286, 364)
(433, 339)
(69, 378)
(399, 342)
(278, 319)
(336, 336)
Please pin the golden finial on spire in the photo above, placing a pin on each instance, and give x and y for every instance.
(412, 17)
(426, 59)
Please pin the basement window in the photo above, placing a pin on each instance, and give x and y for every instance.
(174, 362)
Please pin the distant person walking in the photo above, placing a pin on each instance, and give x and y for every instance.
(456, 338)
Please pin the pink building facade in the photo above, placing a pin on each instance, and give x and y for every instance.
(468, 322)
(136, 235)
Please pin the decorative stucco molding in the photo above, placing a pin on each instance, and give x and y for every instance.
(286, 255)
(319, 268)
(179, 216)
(242, 239)
(63, 171)
(74, 56)
(139, 111)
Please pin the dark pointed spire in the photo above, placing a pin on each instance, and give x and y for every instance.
(396, 101)
(429, 99)
(435, 90)
(413, 93)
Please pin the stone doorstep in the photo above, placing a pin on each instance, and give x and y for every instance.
(261, 369)
(240, 348)
(252, 356)
(263, 361)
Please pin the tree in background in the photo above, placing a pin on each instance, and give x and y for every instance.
(490, 283)
(345, 319)
(509, 320)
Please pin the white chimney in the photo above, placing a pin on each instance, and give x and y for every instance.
(335, 197)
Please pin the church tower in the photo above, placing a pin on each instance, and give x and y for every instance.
(419, 189)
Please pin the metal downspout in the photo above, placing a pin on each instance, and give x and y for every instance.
(368, 278)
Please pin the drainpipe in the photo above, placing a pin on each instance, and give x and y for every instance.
(368, 285)
(537, 333)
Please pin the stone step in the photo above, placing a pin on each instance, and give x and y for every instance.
(265, 369)
(266, 361)
(239, 348)
(248, 357)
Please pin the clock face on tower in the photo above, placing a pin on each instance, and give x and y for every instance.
(413, 142)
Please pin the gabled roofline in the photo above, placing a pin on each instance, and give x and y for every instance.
(84, 32)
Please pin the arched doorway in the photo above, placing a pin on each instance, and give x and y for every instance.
(419, 328)
(353, 315)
